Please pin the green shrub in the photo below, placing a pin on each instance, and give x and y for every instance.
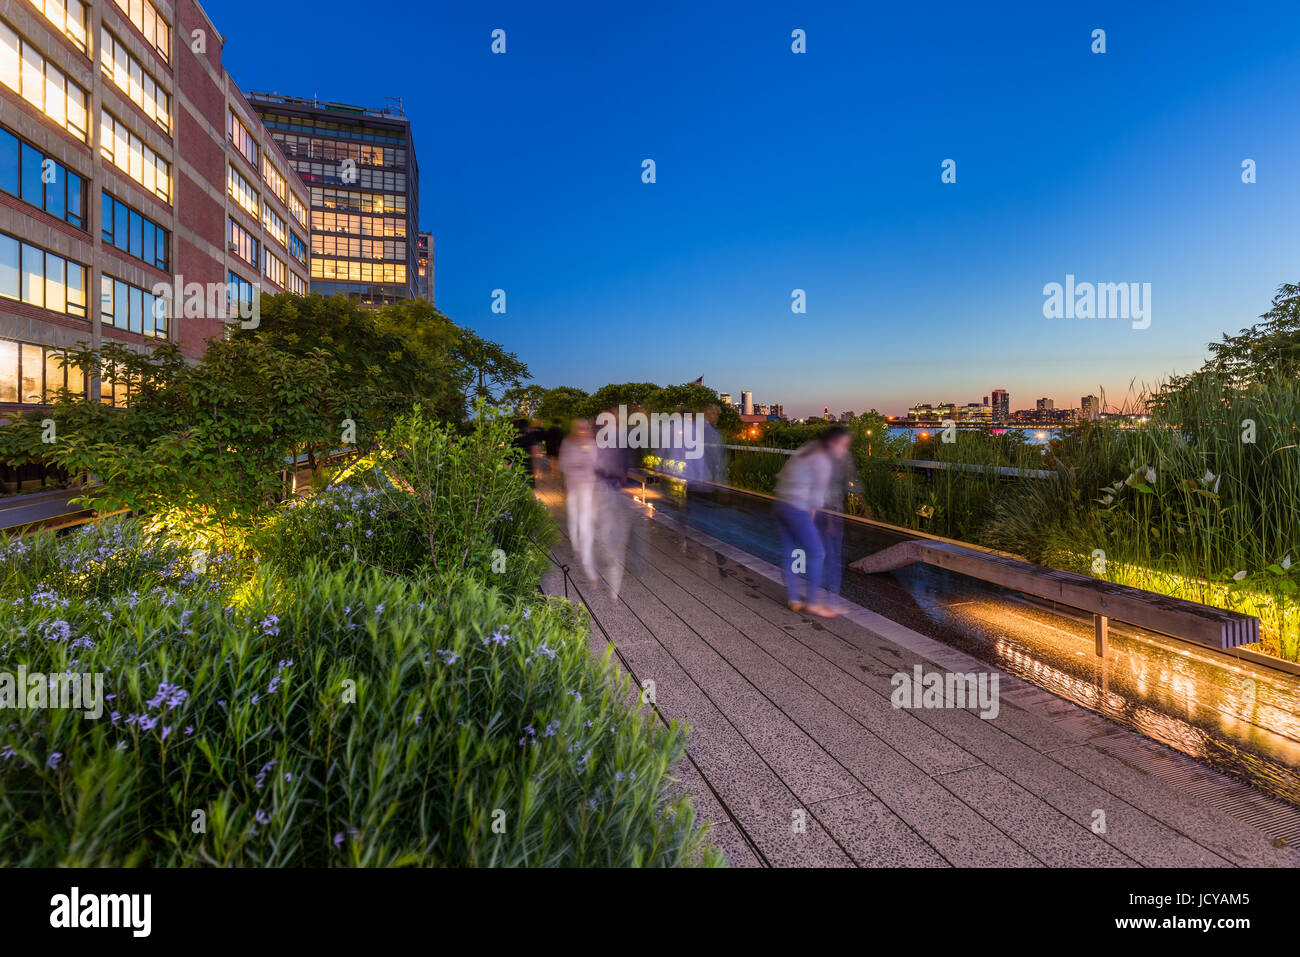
(334, 717)
(432, 500)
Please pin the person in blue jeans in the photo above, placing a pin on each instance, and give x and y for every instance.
(845, 481)
(801, 492)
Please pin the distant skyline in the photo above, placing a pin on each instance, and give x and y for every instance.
(820, 171)
(1017, 404)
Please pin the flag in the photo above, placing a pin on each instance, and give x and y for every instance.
(699, 381)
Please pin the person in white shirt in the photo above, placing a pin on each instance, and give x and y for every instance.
(578, 459)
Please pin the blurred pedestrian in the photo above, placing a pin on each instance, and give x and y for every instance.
(577, 460)
(801, 491)
(613, 513)
(529, 439)
(845, 481)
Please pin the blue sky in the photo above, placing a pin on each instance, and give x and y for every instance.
(821, 171)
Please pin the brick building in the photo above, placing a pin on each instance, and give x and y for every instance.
(130, 164)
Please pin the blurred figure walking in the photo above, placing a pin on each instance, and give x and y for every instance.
(578, 460)
(529, 438)
(801, 491)
(613, 514)
(709, 468)
(845, 481)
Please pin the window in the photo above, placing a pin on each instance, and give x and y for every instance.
(23, 173)
(297, 248)
(241, 138)
(354, 202)
(241, 191)
(357, 271)
(131, 308)
(323, 222)
(69, 16)
(129, 153)
(242, 243)
(239, 295)
(298, 209)
(274, 224)
(129, 230)
(148, 21)
(273, 267)
(25, 71)
(129, 75)
(30, 274)
(392, 249)
(31, 373)
(274, 179)
(297, 285)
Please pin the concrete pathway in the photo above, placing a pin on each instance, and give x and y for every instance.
(798, 758)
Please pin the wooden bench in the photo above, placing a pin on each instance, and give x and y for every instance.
(1176, 617)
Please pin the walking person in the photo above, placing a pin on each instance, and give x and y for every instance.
(845, 481)
(578, 460)
(613, 516)
(801, 491)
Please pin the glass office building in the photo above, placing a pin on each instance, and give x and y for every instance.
(365, 193)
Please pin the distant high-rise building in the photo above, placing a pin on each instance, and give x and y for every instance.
(424, 267)
(1001, 403)
(365, 193)
(1046, 405)
(1090, 408)
(725, 398)
(746, 403)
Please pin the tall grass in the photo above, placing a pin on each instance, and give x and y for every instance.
(1200, 501)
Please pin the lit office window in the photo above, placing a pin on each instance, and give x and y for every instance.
(273, 267)
(32, 373)
(131, 308)
(25, 71)
(297, 285)
(242, 243)
(128, 152)
(40, 180)
(339, 269)
(274, 224)
(69, 16)
(129, 75)
(126, 228)
(32, 275)
(274, 179)
(150, 22)
(241, 138)
(241, 191)
(298, 209)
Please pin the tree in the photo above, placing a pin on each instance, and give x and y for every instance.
(493, 368)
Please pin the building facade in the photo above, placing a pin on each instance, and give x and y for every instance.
(424, 267)
(361, 169)
(1000, 402)
(1090, 408)
(141, 201)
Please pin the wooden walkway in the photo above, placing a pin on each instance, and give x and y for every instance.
(798, 758)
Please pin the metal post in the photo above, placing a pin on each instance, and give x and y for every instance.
(1101, 629)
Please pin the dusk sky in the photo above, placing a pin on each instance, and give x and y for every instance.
(821, 171)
